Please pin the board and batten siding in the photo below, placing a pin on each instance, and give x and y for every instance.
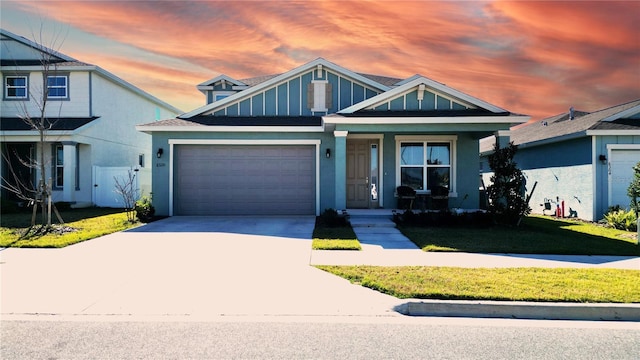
(430, 101)
(292, 97)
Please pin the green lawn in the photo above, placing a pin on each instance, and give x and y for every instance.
(80, 225)
(510, 284)
(536, 235)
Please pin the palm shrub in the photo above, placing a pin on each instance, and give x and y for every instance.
(634, 189)
(622, 219)
(506, 193)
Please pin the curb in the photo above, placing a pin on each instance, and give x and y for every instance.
(521, 310)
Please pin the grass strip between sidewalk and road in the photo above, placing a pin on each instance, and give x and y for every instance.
(536, 235)
(501, 284)
(80, 225)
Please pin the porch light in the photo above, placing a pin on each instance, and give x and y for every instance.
(602, 158)
(159, 153)
(328, 153)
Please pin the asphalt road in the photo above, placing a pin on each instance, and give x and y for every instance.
(318, 338)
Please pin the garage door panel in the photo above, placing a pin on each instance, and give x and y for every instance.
(232, 179)
(621, 166)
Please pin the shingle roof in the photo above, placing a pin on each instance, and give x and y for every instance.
(258, 79)
(384, 80)
(56, 124)
(210, 120)
(559, 125)
(424, 113)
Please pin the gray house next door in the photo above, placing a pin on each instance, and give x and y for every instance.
(245, 180)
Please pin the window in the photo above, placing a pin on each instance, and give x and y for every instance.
(425, 165)
(57, 87)
(58, 166)
(16, 87)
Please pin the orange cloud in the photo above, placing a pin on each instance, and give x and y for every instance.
(533, 57)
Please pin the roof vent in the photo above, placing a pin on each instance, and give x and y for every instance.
(571, 114)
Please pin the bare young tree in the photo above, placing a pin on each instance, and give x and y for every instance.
(36, 194)
(128, 191)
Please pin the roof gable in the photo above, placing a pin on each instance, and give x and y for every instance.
(418, 93)
(16, 48)
(222, 82)
(294, 83)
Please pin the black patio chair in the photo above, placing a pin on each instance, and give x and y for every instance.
(439, 198)
(406, 196)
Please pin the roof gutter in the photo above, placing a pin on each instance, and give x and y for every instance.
(352, 120)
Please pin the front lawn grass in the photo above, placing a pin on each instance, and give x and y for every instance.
(334, 238)
(80, 225)
(502, 284)
(535, 235)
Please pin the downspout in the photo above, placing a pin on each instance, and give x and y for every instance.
(594, 178)
(90, 94)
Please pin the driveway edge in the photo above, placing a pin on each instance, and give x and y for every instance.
(521, 310)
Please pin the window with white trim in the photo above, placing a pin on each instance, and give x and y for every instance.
(426, 164)
(16, 87)
(58, 162)
(58, 87)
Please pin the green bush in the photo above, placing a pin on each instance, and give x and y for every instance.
(445, 218)
(63, 205)
(506, 193)
(331, 218)
(622, 220)
(634, 189)
(144, 209)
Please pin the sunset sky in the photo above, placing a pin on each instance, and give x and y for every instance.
(530, 57)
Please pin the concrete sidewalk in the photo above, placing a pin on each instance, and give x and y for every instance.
(378, 256)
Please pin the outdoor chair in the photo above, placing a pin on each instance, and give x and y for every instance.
(439, 198)
(406, 196)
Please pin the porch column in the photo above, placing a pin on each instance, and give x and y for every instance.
(69, 172)
(502, 138)
(341, 169)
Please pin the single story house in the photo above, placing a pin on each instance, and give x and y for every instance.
(316, 137)
(582, 161)
(90, 115)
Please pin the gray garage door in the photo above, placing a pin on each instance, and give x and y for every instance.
(244, 180)
(621, 174)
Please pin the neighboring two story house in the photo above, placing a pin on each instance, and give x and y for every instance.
(582, 161)
(91, 115)
(319, 136)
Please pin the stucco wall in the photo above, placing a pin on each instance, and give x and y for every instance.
(571, 184)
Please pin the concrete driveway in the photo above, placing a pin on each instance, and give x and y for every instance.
(185, 266)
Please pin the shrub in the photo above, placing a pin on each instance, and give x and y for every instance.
(144, 209)
(331, 218)
(63, 205)
(634, 189)
(506, 193)
(622, 220)
(445, 218)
